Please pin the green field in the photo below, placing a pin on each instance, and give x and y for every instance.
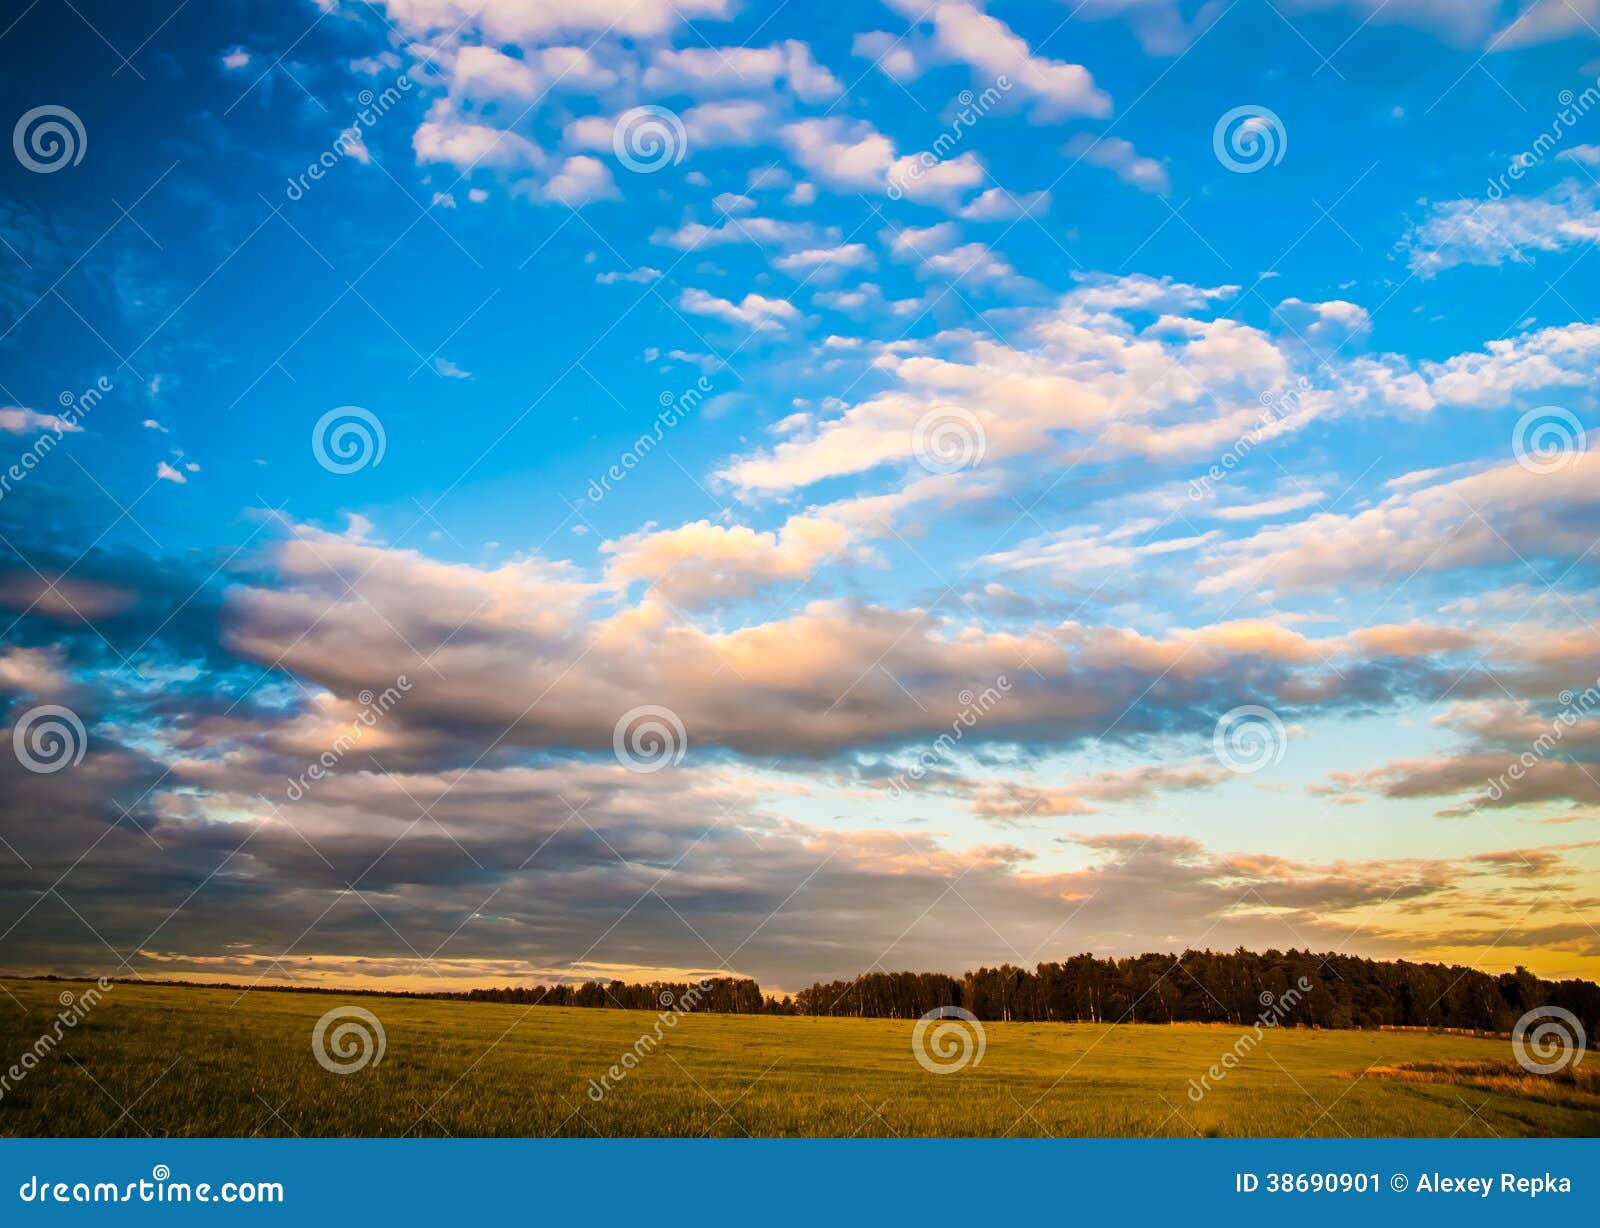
(184, 1061)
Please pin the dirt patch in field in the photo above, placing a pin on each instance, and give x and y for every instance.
(1577, 1087)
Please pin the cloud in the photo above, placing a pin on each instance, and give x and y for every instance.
(998, 205)
(713, 125)
(692, 236)
(699, 563)
(700, 71)
(1494, 232)
(853, 156)
(642, 275)
(937, 252)
(580, 180)
(1122, 159)
(1159, 25)
(1502, 515)
(754, 310)
(501, 883)
(811, 259)
(814, 680)
(166, 473)
(465, 144)
(486, 74)
(892, 54)
(16, 420)
(962, 31)
(1547, 20)
(1177, 386)
(536, 21)
(1493, 377)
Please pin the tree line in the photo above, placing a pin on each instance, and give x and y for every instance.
(1238, 987)
(1345, 991)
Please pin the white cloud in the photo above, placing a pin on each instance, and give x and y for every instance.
(580, 180)
(642, 275)
(735, 122)
(853, 156)
(1122, 159)
(700, 71)
(534, 21)
(847, 256)
(17, 421)
(755, 310)
(890, 53)
(464, 143)
(1492, 232)
(166, 473)
(998, 205)
(963, 31)
(1500, 515)
(1547, 20)
(764, 231)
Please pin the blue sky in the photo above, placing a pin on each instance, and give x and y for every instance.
(1135, 365)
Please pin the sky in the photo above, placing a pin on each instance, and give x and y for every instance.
(499, 491)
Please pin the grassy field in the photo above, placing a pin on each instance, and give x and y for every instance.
(183, 1061)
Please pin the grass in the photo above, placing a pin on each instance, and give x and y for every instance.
(168, 1060)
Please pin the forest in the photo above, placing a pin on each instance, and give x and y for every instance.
(1197, 986)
